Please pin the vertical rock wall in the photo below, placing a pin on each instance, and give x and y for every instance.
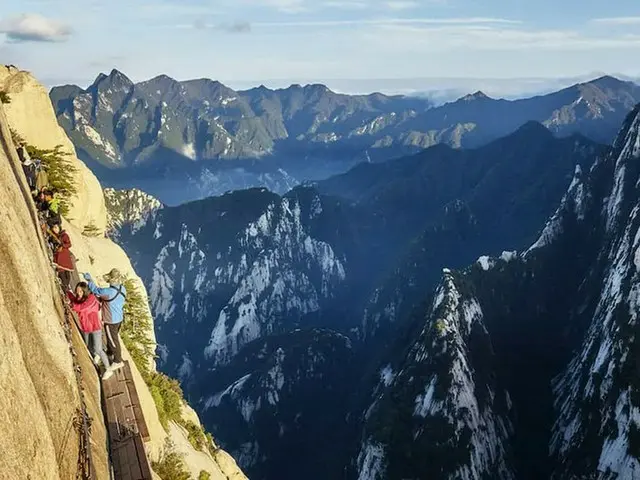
(38, 391)
(32, 116)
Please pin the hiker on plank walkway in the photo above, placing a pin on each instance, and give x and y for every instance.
(113, 298)
(61, 254)
(49, 203)
(87, 306)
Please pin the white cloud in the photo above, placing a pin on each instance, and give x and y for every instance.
(299, 6)
(389, 22)
(286, 6)
(617, 21)
(346, 4)
(420, 38)
(402, 4)
(235, 27)
(34, 28)
(156, 10)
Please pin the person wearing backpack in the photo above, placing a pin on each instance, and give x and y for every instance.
(50, 205)
(42, 177)
(28, 166)
(112, 299)
(86, 305)
(61, 254)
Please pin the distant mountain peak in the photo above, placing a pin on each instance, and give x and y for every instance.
(115, 73)
(162, 80)
(207, 81)
(478, 95)
(316, 86)
(101, 76)
(531, 128)
(115, 78)
(607, 81)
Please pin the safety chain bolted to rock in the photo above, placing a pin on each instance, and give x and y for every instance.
(82, 420)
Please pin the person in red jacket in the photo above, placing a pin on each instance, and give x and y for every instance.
(62, 255)
(87, 306)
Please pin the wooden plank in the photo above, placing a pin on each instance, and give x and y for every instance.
(135, 401)
(114, 395)
(119, 469)
(132, 460)
(129, 463)
(125, 420)
(112, 421)
(145, 467)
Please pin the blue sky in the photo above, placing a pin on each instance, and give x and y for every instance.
(241, 42)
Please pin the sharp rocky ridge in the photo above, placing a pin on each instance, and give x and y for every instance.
(266, 303)
(527, 366)
(186, 140)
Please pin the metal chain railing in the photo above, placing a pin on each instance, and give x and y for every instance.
(81, 420)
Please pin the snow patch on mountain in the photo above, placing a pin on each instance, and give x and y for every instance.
(128, 208)
(189, 151)
(486, 262)
(387, 375)
(371, 461)
(161, 291)
(245, 397)
(594, 395)
(272, 286)
(444, 343)
(186, 368)
(425, 404)
(98, 141)
(508, 256)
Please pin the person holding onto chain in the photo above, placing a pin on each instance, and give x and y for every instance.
(112, 299)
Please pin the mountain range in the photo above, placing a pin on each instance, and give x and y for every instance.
(526, 366)
(278, 312)
(185, 140)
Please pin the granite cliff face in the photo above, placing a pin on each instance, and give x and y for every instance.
(40, 395)
(36, 371)
(31, 115)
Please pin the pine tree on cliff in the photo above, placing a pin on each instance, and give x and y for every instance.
(136, 327)
(61, 171)
(4, 97)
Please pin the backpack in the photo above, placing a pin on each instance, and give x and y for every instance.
(105, 309)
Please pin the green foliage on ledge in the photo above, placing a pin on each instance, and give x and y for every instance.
(60, 170)
(166, 391)
(198, 437)
(135, 333)
(91, 230)
(168, 397)
(171, 464)
(136, 328)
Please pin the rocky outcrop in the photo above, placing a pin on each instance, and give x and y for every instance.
(128, 209)
(31, 114)
(40, 397)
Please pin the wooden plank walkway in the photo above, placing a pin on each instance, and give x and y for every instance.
(126, 426)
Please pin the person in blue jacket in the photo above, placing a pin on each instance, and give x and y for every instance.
(112, 299)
